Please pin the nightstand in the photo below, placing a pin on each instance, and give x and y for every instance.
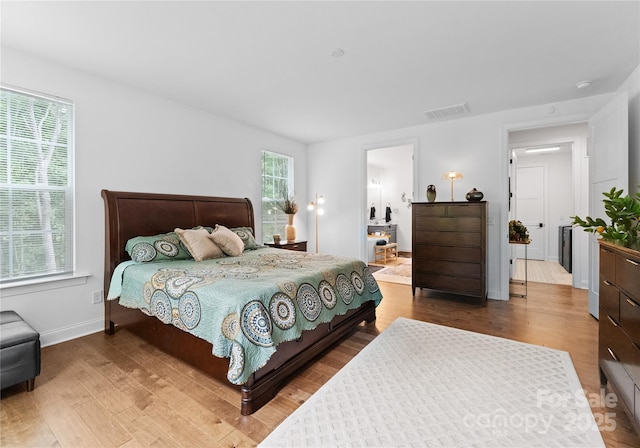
(289, 245)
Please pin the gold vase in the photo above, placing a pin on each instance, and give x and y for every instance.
(290, 229)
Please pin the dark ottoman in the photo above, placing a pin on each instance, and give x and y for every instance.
(19, 351)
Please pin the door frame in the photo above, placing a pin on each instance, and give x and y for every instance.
(364, 216)
(581, 205)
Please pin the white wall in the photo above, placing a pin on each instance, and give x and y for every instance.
(477, 146)
(632, 86)
(129, 140)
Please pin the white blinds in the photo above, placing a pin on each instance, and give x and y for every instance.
(36, 185)
(277, 177)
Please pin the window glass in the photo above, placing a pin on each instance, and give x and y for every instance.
(36, 185)
(277, 178)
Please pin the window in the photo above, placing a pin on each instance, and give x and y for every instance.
(36, 186)
(277, 178)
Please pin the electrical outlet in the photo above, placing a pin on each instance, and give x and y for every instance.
(97, 297)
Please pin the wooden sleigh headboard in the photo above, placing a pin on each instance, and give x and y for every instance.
(128, 215)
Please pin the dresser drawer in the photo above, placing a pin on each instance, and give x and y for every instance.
(614, 353)
(456, 285)
(447, 253)
(429, 210)
(465, 210)
(448, 238)
(630, 317)
(609, 299)
(628, 274)
(608, 264)
(426, 267)
(616, 345)
(434, 223)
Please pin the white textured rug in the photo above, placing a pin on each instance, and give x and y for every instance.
(420, 384)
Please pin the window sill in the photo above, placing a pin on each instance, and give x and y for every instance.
(32, 286)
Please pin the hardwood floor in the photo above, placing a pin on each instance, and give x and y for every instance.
(118, 391)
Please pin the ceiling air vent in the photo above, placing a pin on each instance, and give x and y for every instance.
(449, 111)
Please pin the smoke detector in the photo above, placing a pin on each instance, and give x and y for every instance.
(447, 112)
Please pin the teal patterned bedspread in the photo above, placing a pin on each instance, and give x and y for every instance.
(245, 306)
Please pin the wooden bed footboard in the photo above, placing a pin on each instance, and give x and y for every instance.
(130, 214)
(265, 383)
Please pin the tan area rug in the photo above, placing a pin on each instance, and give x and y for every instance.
(542, 272)
(398, 271)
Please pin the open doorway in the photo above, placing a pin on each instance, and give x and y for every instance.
(544, 175)
(389, 195)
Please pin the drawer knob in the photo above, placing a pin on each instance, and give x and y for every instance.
(612, 321)
(613, 355)
(631, 302)
(606, 282)
(635, 263)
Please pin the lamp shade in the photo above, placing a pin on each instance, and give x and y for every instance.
(452, 175)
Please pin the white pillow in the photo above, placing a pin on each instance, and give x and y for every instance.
(230, 243)
(198, 243)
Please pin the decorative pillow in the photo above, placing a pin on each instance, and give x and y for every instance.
(229, 242)
(246, 235)
(198, 243)
(162, 247)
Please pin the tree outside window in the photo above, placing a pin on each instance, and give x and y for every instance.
(36, 185)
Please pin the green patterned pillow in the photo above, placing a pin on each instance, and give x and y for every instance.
(246, 235)
(163, 247)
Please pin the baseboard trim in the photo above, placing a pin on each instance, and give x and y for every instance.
(72, 332)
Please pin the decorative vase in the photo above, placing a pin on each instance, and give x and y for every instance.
(290, 229)
(474, 195)
(431, 193)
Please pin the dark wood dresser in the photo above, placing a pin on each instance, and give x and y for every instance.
(619, 325)
(449, 247)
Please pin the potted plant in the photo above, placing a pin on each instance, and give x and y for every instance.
(624, 212)
(287, 203)
(517, 231)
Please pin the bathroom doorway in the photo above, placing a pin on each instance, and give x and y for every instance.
(389, 195)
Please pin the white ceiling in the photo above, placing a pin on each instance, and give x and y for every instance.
(269, 64)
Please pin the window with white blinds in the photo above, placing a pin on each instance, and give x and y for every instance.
(277, 177)
(36, 186)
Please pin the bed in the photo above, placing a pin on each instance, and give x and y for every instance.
(260, 346)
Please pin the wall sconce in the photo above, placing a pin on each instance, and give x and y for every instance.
(452, 175)
(315, 205)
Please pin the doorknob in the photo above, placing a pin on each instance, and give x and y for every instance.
(541, 225)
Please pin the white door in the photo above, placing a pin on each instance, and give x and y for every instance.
(608, 150)
(530, 209)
